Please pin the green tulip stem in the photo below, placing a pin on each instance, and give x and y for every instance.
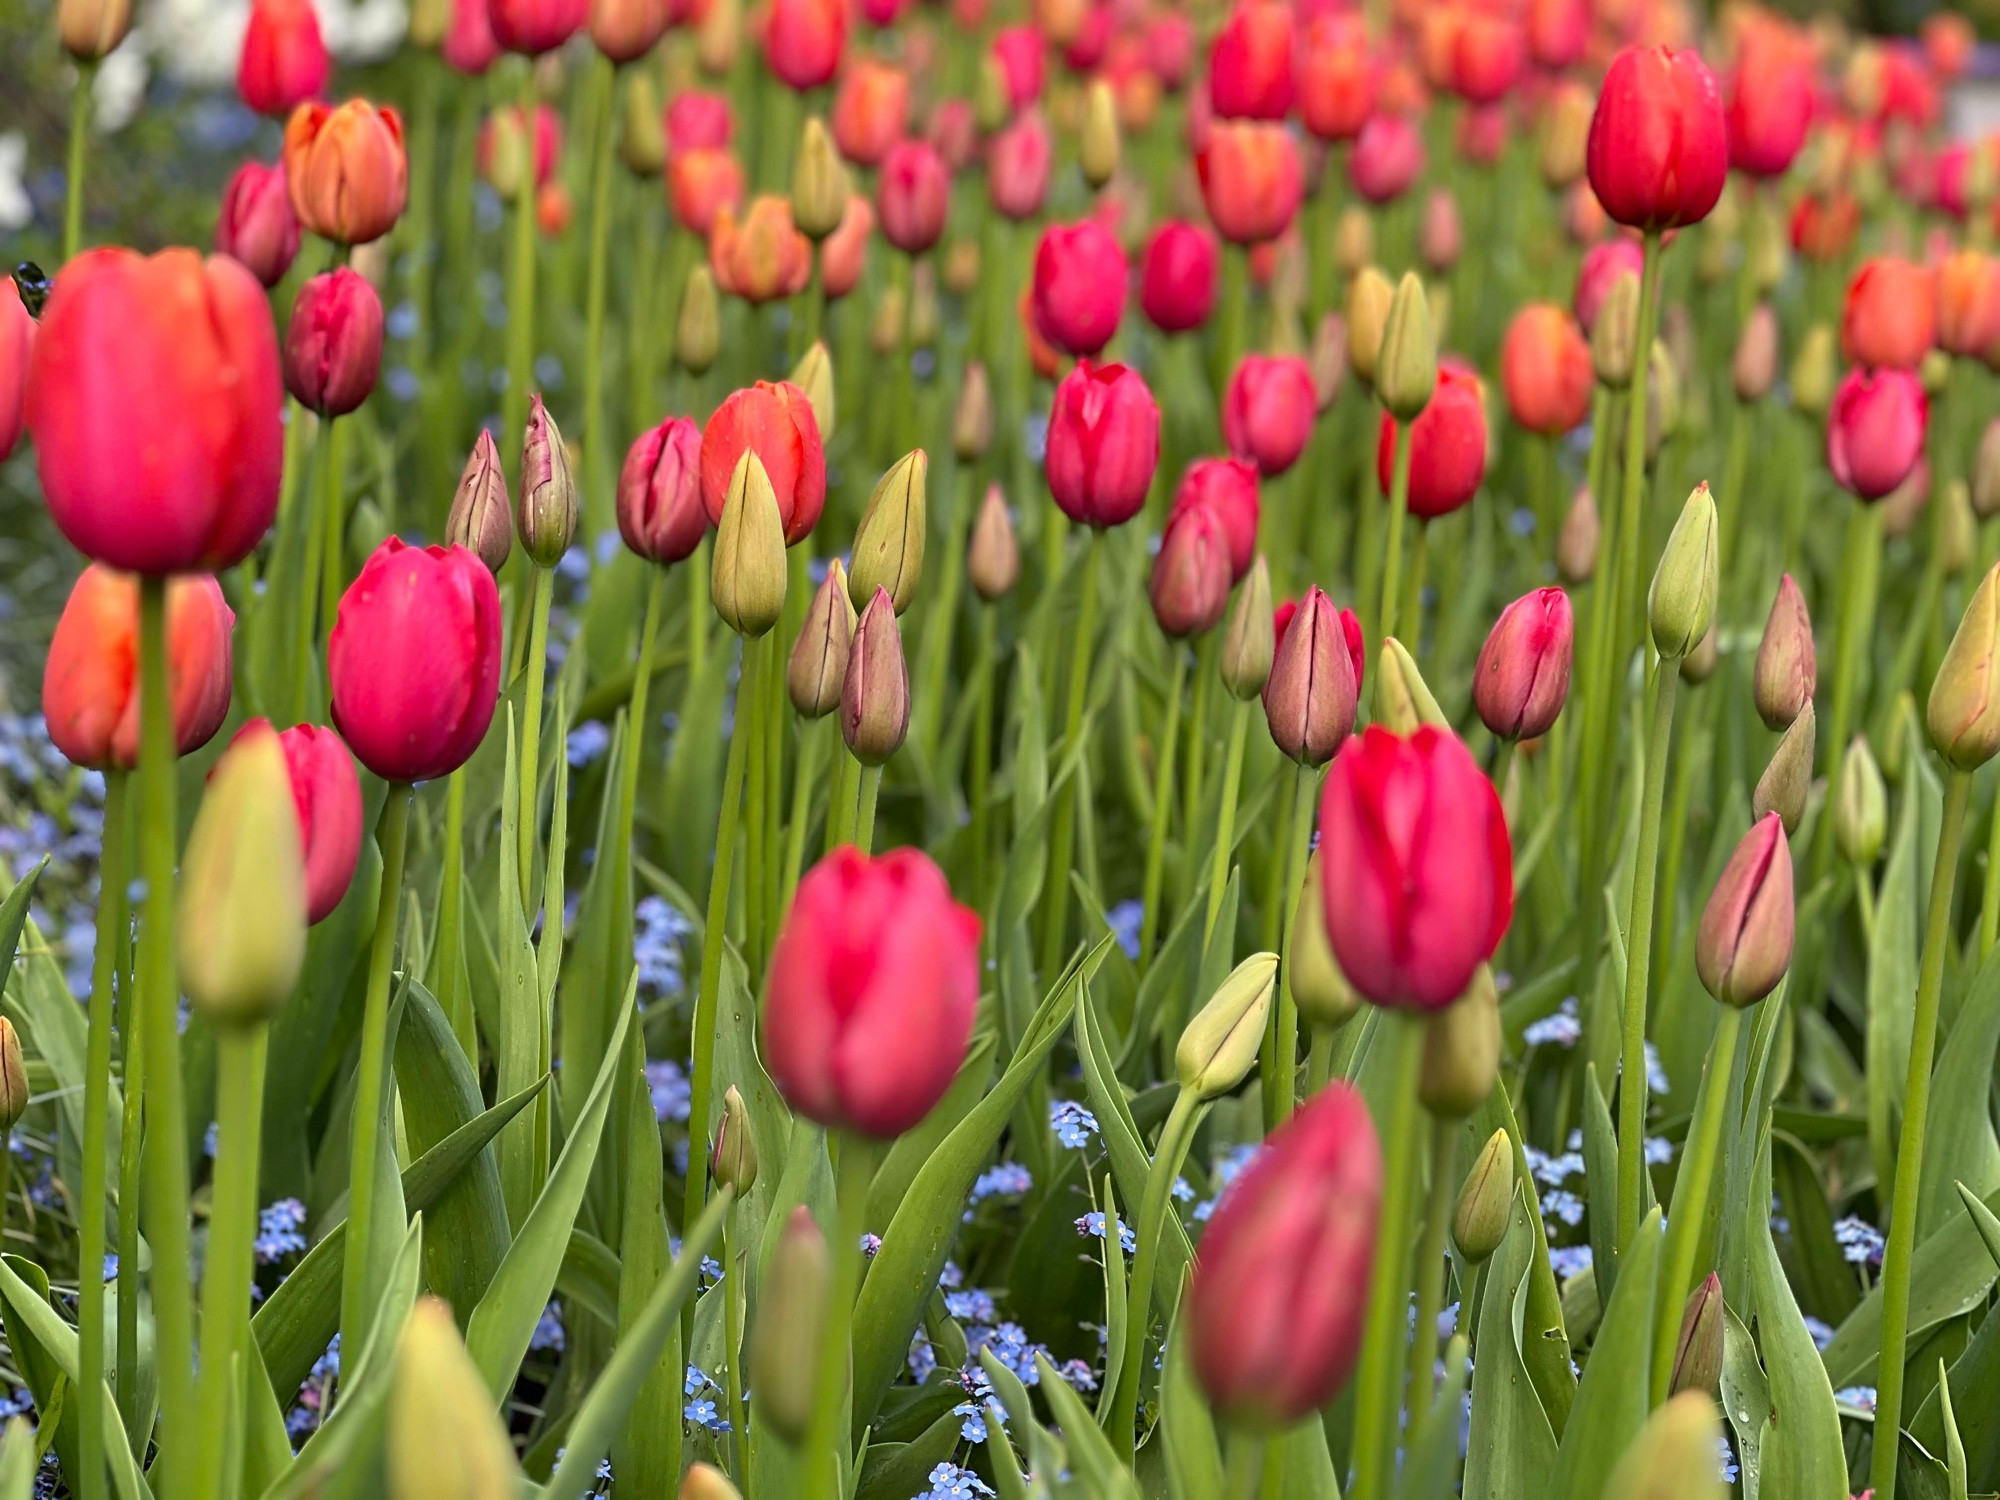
(1281, 1041)
(596, 497)
(1243, 1473)
(305, 622)
(79, 140)
(1688, 1212)
(227, 1268)
(777, 713)
(864, 813)
(111, 921)
(531, 734)
(357, 1299)
(1232, 314)
(332, 547)
(1864, 900)
(1910, 1146)
(1412, 628)
(1599, 676)
(806, 777)
(1989, 903)
(841, 799)
(752, 709)
(941, 618)
(1399, 507)
(1205, 674)
(1853, 638)
(1225, 817)
(1176, 1136)
(1163, 788)
(980, 778)
(1631, 513)
(521, 280)
(1431, 1263)
(453, 986)
(1639, 956)
(1378, 1381)
(826, 1445)
(633, 752)
(130, 1170)
(1319, 1059)
(735, 1267)
(1062, 825)
(166, 1190)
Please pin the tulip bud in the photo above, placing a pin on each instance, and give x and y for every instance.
(546, 519)
(1577, 539)
(445, 1440)
(1486, 1200)
(1986, 473)
(818, 667)
(1327, 359)
(1098, 148)
(1699, 664)
(1933, 371)
(791, 1309)
(885, 334)
(13, 1077)
(875, 695)
(1354, 242)
(1756, 364)
(1614, 338)
(1958, 530)
(1963, 715)
(1814, 371)
(733, 1163)
(1681, 602)
(1190, 583)
(1744, 943)
(241, 928)
(1663, 401)
(1896, 740)
(1325, 999)
(1787, 780)
(1369, 296)
(1698, 1350)
(1441, 233)
(1673, 1457)
(1406, 372)
(1315, 682)
(706, 1482)
(1786, 672)
(1521, 680)
(1249, 642)
(479, 519)
(889, 544)
(92, 29)
(698, 330)
(819, 183)
(1860, 805)
(748, 575)
(993, 557)
(642, 137)
(1219, 1047)
(992, 104)
(1403, 700)
(972, 422)
(333, 344)
(813, 375)
(1462, 1050)
(961, 267)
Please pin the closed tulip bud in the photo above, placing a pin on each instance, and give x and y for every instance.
(1103, 444)
(1354, 246)
(706, 1482)
(875, 694)
(1324, 997)
(972, 419)
(13, 1077)
(1958, 536)
(1521, 680)
(1663, 401)
(1097, 148)
(1814, 372)
(1270, 1338)
(1327, 359)
(1485, 1200)
(1903, 506)
(1079, 286)
(1673, 1457)
(1787, 672)
(445, 1440)
(1440, 233)
(912, 195)
(1744, 943)
(889, 544)
(1408, 369)
(1658, 152)
(241, 930)
(1268, 410)
(885, 333)
(92, 29)
(733, 1162)
(256, 225)
(1462, 1051)
(660, 514)
(1577, 539)
(1787, 780)
(993, 556)
(819, 183)
(813, 375)
(1614, 338)
(748, 573)
(333, 346)
(642, 135)
(1249, 643)
(698, 329)
(1447, 445)
(791, 1311)
(1565, 130)
(327, 794)
(284, 62)
(1311, 695)
(960, 267)
(481, 518)
(992, 106)
(1986, 473)
(1755, 366)
(1698, 1349)
(818, 668)
(1681, 603)
(346, 168)
(546, 517)
(1369, 298)
(1403, 700)
(1963, 715)
(1860, 806)
(1890, 317)
(1546, 370)
(1387, 157)
(1219, 1047)
(1699, 664)
(1178, 276)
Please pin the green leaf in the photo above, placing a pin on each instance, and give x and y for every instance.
(589, 1276)
(518, 1045)
(896, 1471)
(1089, 1449)
(1600, 1179)
(1950, 1275)
(1746, 1399)
(1194, 1456)
(267, 1446)
(14, 912)
(1431, 1462)
(1511, 1449)
(1612, 1400)
(1954, 1450)
(1984, 1220)
(17, 1461)
(1305, 1468)
(1959, 1143)
(33, 1324)
(1892, 988)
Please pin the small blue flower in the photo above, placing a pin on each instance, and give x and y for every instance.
(949, 1482)
(1569, 1260)
(1559, 1029)
(1822, 1334)
(1125, 920)
(1093, 1223)
(1860, 1397)
(1008, 1180)
(279, 1231)
(1860, 1242)
(973, 1306)
(703, 1413)
(548, 1336)
(1073, 1124)
(672, 1094)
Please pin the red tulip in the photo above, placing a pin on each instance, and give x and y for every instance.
(1387, 156)
(1482, 133)
(536, 26)
(414, 661)
(1875, 430)
(625, 30)
(1170, 49)
(870, 110)
(660, 513)
(913, 196)
(1228, 487)
(1417, 870)
(882, 13)
(1522, 677)
(1268, 410)
(1251, 180)
(468, 46)
(1280, 1291)
(1447, 445)
(333, 346)
(1017, 166)
(1336, 78)
(90, 685)
(1103, 444)
(1191, 573)
(764, 257)
(1744, 943)
(1948, 41)
(1488, 54)
(500, 143)
(1823, 229)
(257, 226)
(1546, 371)
(1086, 48)
(1178, 276)
(327, 793)
(1890, 317)
(1079, 286)
(1250, 62)
(154, 402)
(1315, 682)
(346, 169)
(17, 348)
(803, 41)
(1770, 102)
(843, 255)
(698, 121)
(1558, 32)
(777, 422)
(284, 62)
(954, 130)
(1968, 303)
(702, 185)
(1018, 50)
(1659, 149)
(1603, 263)
(871, 993)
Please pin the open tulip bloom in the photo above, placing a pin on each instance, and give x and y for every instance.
(807, 750)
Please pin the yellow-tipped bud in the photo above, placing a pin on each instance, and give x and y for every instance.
(1406, 373)
(1486, 1200)
(445, 1439)
(889, 544)
(748, 577)
(1681, 603)
(1219, 1046)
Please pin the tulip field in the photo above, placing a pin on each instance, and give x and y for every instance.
(1027, 749)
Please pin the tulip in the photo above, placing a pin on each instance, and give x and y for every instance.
(1744, 943)
(913, 195)
(1079, 287)
(1336, 85)
(1875, 430)
(1447, 445)
(792, 1301)
(1103, 444)
(444, 1441)
(1406, 371)
(256, 225)
(1461, 1058)
(1521, 680)
(1787, 780)
(546, 514)
(505, 149)
(1963, 715)
(327, 795)
(1268, 410)
(1191, 573)
(1440, 234)
(972, 417)
(90, 683)
(1754, 368)
(871, 991)
(1659, 146)
(843, 255)
(1786, 671)
(702, 185)
(1327, 359)
(1770, 103)
(92, 29)
(1823, 228)
(1674, 1455)
(1315, 682)
(875, 693)
(1250, 642)
(870, 110)
(1219, 1046)
(468, 47)
(1546, 370)
(1018, 52)
(333, 346)
(414, 660)
(1482, 134)
(284, 62)
(765, 257)
(625, 30)
(17, 348)
(1604, 264)
(1228, 487)
(1614, 342)
(554, 209)
(1564, 137)
(1403, 700)
(346, 170)
(153, 398)
(1018, 161)
(1890, 318)
(1488, 54)
(1251, 180)
(1698, 1348)
(1577, 539)
(1985, 490)
(747, 573)
(1324, 997)
(993, 556)
(660, 514)
(775, 421)
(481, 518)
(1968, 303)
(1485, 1204)
(1681, 602)
(536, 26)
(955, 133)
(1178, 276)
(817, 670)
(889, 543)
(14, 1093)
(1276, 1308)
(1388, 156)
(1370, 295)
(1419, 880)
(1250, 62)
(1813, 372)
(1860, 805)
(698, 121)
(1354, 242)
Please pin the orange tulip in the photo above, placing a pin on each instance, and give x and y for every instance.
(1891, 314)
(1545, 369)
(625, 30)
(346, 169)
(764, 257)
(1251, 179)
(1968, 303)
(870, 111)
(843, 255)
(701, 185)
